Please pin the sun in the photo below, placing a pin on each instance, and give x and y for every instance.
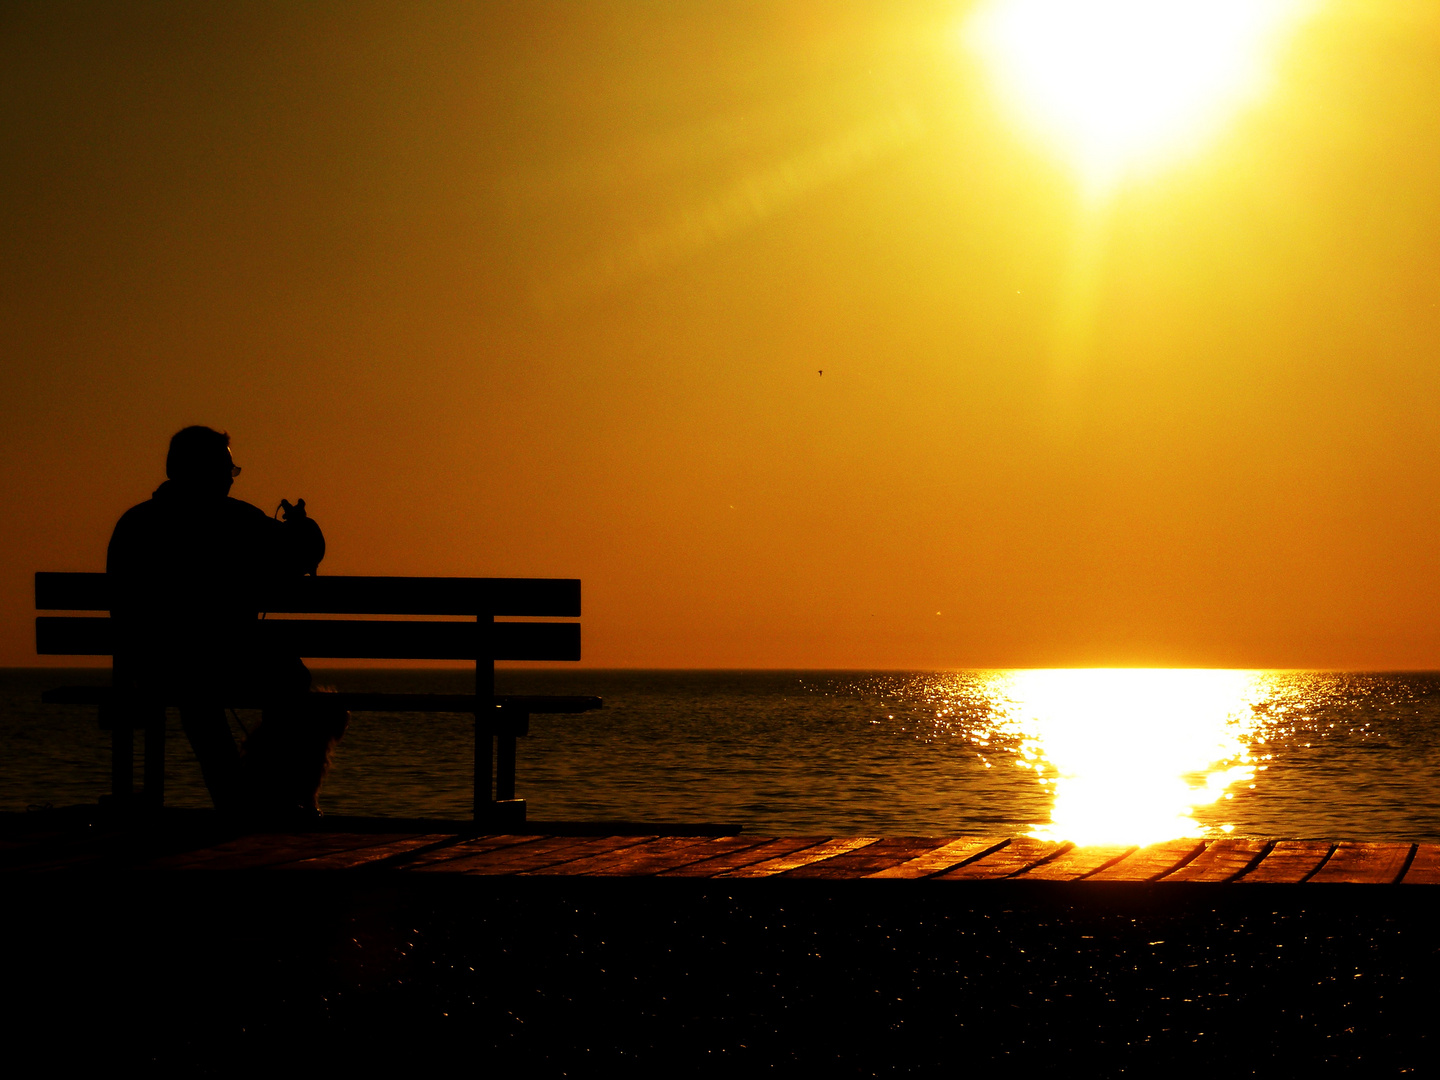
(1119, 85)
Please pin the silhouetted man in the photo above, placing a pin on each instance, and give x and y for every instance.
(188, 573)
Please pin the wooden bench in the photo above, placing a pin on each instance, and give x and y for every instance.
(481, 639)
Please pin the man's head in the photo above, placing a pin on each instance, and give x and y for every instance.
(199, 459)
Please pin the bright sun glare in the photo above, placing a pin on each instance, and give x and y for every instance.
(1130, 755)
(1120, 83)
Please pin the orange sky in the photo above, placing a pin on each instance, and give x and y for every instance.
(543, 289)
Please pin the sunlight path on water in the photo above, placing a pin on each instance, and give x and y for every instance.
(1129, 754)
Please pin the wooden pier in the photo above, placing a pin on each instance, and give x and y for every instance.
(553, 952)
(974, 860)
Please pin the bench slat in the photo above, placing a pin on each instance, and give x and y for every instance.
(343, 595)
(70, 635)
(363, 702)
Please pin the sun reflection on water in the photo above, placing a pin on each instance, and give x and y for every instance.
(1129, 755)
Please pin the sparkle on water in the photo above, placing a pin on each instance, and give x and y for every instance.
(1128, 754)
(1117, 84)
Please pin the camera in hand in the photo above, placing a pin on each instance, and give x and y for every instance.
(304, 539)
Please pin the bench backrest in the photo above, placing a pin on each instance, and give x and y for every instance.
(483, 599)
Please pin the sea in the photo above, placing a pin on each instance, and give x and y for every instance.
(1089, 755)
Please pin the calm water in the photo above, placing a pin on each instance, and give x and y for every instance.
(1093, 756)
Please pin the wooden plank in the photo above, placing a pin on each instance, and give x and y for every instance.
(1151, 862)
(46, 847)
(1076, 863)
(13, 851)
(72, 592)
(345, 595)
(383, 849)
(1356, 863)
(108, 848)
(389, 639)
(551, 851)
(655, 863)
(873, 858)
(532, 859)
(108, 858)
(824, 849)
(281, 851)
(1424, 867)
(424, 640)
(254, 849)
(476, 845)
(1019, 854)
(954, 853)
(1289, 862)
(765, 848)
(645, 859)
(354, 702)
(1222, 860)
(260, 850)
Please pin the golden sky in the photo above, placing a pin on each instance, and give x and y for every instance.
(544, 289)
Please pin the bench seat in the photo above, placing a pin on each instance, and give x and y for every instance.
(506, 705)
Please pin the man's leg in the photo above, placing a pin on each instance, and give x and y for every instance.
(209, 734)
